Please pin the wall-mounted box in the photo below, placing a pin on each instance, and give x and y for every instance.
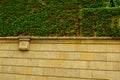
(24, 43)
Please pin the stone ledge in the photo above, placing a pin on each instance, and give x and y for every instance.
(59, 38)
(76, 38)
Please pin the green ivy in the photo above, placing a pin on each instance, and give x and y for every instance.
(99, 21)
(58, 18)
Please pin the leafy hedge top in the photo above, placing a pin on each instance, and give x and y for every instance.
(58, 18)
(101, 22)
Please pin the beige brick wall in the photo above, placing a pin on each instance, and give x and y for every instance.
(60, 59)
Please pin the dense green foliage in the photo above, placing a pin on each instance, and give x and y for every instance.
(101, 22)
(58, 18)
(117, 2)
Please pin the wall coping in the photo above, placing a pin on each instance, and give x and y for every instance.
(59, 38)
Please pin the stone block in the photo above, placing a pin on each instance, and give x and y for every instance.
(49, 71)
(20, 77)
(6, 69)
(97, 65)
(113, 57)
(67, 72)
(100, 56)
(37, 71)
(24, 43)
(109, 65)
(99, 74)
(1, 76)
(86, 56)
(26, 70)
(113, 75)
(86, 73)
(116, 66)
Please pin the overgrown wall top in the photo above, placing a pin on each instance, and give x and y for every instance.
(58, 18)
(101, 22)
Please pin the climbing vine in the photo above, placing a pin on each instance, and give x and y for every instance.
(59, 18)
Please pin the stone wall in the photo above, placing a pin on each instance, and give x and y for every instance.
(59, 58)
